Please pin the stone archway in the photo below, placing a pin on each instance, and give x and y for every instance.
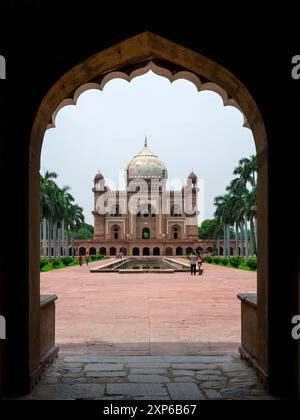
(146, 251)
(124, 251)
(179, 251)
(92, 250)
(82, 250)
(156, 251)
(136, 251)
(189, 250)
(115, 232)
(126, 60)
(102, 250)
(112, 251)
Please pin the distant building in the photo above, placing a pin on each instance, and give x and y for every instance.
(145, 219)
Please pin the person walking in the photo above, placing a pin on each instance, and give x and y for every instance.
(193, 262)
(80, 260)
(87, 258)
(200, 262)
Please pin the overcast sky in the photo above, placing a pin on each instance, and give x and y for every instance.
(188, 130)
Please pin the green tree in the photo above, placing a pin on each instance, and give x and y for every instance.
(238, 208)
(85, 232)
(59, 214)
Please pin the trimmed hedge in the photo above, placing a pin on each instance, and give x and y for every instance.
(235, 261)
(224, 261)
(66, 260)
(54, 263)
(43, 262)
(97, 257)
(252, 263)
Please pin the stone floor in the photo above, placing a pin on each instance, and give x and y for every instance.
(149, 378)
(148, 336)
(148, 314)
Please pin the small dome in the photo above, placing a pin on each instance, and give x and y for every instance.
(192, 176)
(146, 165)
(98, 176)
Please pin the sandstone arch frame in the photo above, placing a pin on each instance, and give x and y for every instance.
(126, 57)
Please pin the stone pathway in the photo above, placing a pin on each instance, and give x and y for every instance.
(149, 378)
(148, 314)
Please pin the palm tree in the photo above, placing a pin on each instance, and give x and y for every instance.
(238, 207)
(59, 212)
(217, 234)
(65, 200)
(48, 189)
(247, 170)
(223, 214)
(74, 221)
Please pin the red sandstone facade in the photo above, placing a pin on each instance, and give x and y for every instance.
(146, 218)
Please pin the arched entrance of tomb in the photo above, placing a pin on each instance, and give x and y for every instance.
(189, 250)
(112, 251)
(136, 251)
(102, 251)
(146, 251)
(179, 250)
(82, 250)
(199, 250)
(124, 251)
(156, 251)
(128, 59)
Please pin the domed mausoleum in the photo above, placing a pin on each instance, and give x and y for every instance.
(146, 165)
(146, 218)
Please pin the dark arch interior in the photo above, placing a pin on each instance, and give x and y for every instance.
(146, 251)
(136, 251)
(156, 251)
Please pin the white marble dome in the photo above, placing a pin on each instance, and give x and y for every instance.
(146, 165)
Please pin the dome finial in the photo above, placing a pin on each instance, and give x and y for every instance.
(145, 144)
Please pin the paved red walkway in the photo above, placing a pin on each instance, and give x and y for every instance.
(158, 314)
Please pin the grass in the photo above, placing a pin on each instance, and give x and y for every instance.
(49, 266)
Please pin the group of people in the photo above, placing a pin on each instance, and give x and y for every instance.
(119, 255)
(194, 261)
(87, 259)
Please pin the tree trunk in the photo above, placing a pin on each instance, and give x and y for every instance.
(246, 238)
(228, 240)
(242, 239)
(67, 242)
(58, 242)
(224, 242)
(54, 241)
(73, 247)
(218, 246)
(49, 239)
(45, 237)
(236, 238)
(63, 238)
(251, 237)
